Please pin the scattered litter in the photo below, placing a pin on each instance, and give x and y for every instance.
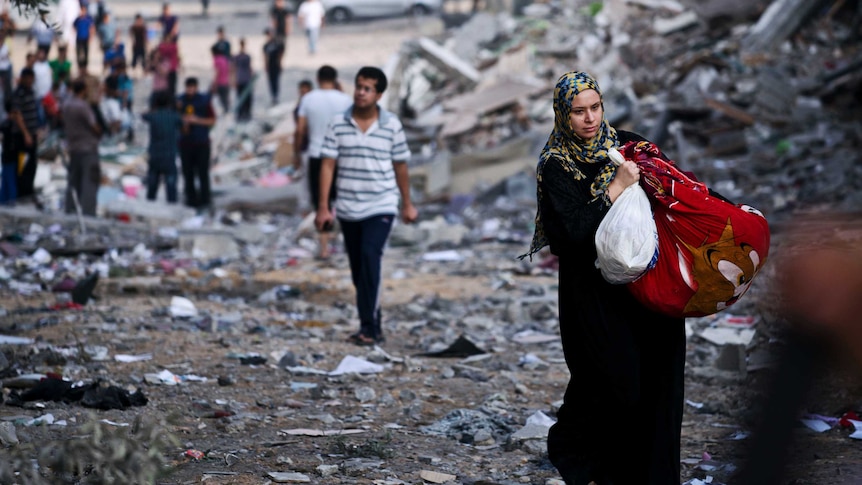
(355, 365)
(320, 432)
(182, 308)
(132, 358)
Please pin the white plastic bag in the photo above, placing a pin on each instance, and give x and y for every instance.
(627, 239)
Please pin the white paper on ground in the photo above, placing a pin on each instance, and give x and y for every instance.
(133, 358)
(725, 335)
(11, 340)
(354, 365)
(450, 255)
(183, 308)
(816, 425)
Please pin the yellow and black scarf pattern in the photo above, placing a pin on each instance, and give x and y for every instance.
(570, 150)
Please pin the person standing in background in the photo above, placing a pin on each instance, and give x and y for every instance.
(164, 121)
(243, 74)
(169, 53)
(43, 34)
(221, 64)
(84, 29)
(316, 110)
(5, 66)
(198, 118)
(272, 52)
(138, 33)
(282, 18)
(25, 114)
(61, 64)
(82, 135)
(169, 22)
(311, 16)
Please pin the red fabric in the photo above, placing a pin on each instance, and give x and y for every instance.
(709, 249)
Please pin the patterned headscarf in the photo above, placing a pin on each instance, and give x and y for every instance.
(571, 150)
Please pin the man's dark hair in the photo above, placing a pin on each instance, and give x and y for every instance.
(191, 81)
(27, 71)
(79, 86)
(376, 74)
(161, 99)
(326, 74)
(305, 83)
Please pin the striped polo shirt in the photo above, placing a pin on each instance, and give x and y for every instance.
(366, 179)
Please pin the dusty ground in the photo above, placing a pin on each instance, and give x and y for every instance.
(250, 444)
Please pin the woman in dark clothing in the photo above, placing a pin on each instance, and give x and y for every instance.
(622, 413)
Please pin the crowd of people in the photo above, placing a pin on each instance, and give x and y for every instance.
(35, 96)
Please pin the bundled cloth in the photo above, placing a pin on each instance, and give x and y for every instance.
(709, 249)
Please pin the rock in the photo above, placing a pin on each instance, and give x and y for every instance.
(288, 477)
(8, 436)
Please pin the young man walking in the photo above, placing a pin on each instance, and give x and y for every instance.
(316, 110)
(368, 145)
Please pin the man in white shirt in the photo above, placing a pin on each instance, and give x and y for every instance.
(44, 75)
(369, 146)
(311, 15)
(316, 110)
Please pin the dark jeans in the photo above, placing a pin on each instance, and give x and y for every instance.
(85, 176)
(364, 241)
(82, 51)
(9, 183)
(156, 172)
(172, 83)
(28, 175)
(223, 93)
(139, 54)
(196, 168)
(244, 108)
(6, 79)
(273, 74)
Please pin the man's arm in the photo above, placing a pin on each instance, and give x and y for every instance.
(402, 179)
(18, 118)
(298, 136)
(208, 120)
(324, 212)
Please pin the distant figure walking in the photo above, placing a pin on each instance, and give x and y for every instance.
(316, 110)
(243, 75)
(311, 16)
(272, 52)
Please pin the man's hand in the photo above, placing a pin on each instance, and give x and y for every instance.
(323, 218)
(409, 213)
(28, 140)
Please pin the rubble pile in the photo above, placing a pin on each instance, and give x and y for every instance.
(758, 100)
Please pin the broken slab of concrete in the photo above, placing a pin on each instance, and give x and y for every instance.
(780, 20)
(448, 62)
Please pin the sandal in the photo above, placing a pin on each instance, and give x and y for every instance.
(362, 340)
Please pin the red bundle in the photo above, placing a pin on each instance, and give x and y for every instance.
(709, 249)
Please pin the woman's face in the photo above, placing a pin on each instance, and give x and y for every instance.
(586, 114)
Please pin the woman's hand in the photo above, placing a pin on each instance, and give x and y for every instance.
(627, 174)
